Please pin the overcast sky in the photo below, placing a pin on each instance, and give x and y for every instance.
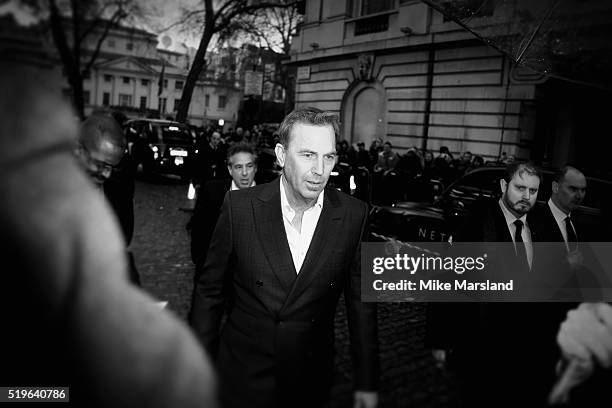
(161, 14)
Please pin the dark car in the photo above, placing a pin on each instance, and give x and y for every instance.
(435, 221)
(161, 146)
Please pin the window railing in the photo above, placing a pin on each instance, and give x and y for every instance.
(375, 24)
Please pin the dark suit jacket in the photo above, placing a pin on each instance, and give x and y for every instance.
(593, 393)
(496, 347)
(276, 348)
(205, 216)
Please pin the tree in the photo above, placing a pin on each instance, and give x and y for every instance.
(214, 18)
(271, 29)
(73, 24)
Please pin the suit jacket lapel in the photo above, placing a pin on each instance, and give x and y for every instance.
(321, 245)
(271, 232)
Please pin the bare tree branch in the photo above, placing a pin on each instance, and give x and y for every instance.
(184, 19)
(118, 15)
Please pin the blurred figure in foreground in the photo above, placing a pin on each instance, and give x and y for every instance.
(71, 317)
(585, 339)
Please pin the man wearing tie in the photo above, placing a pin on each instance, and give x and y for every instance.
(568, 191)
(291, 247)
(491, 346)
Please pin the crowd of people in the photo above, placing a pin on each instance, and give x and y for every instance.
(272, 257)
(382, 175)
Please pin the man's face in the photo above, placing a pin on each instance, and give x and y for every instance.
(307, 160)
(387, 148)
(99, 159)
(570, 191)
(215, 138)
(520, 193)
(242, 168)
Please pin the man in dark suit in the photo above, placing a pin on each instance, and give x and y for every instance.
(242, 168)
(492, 345)
(102, 154)
(572, 262)
(210, 160)
(555, 219)
(291, 246)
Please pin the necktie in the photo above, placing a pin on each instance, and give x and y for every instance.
(519, 246)
(572, 240)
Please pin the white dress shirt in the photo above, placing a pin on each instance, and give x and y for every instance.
(525, 232)
(560, 217)
(299, 241)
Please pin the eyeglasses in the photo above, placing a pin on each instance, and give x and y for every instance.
(100, 165)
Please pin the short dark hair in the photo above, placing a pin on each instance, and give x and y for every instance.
(241, 148)
(388, 143)
(308, 116)
(521, 168)
(560, 173)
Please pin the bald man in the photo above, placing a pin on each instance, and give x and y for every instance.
(101, 147)
(102, 154)
(556, 223)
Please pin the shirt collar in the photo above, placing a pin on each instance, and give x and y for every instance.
(510, 218)
(285, 202)
(235, 186)
(556, 211)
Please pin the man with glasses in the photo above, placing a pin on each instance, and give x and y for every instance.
(101, 147)
(101, 152)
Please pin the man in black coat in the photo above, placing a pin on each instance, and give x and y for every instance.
(494, 347)
(292, 247)
(555, 219)
(242, 167)
(102, 154)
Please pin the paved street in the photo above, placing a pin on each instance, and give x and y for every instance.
(161, 249)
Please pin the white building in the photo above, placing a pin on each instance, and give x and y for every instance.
(127, 73)
(397, 70)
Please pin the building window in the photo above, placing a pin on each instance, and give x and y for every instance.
(176, 104)
(144, 82)
(86, 97)
(129, 46)
(178, 85)
(106, 98)
(126, 80)
(374, 24)
(108, 78)
(207, 100)
(165, 84)
(111, 43)
(162, 105)
(143, 102)
(222, 101)
(125, 100)
(376, 6)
